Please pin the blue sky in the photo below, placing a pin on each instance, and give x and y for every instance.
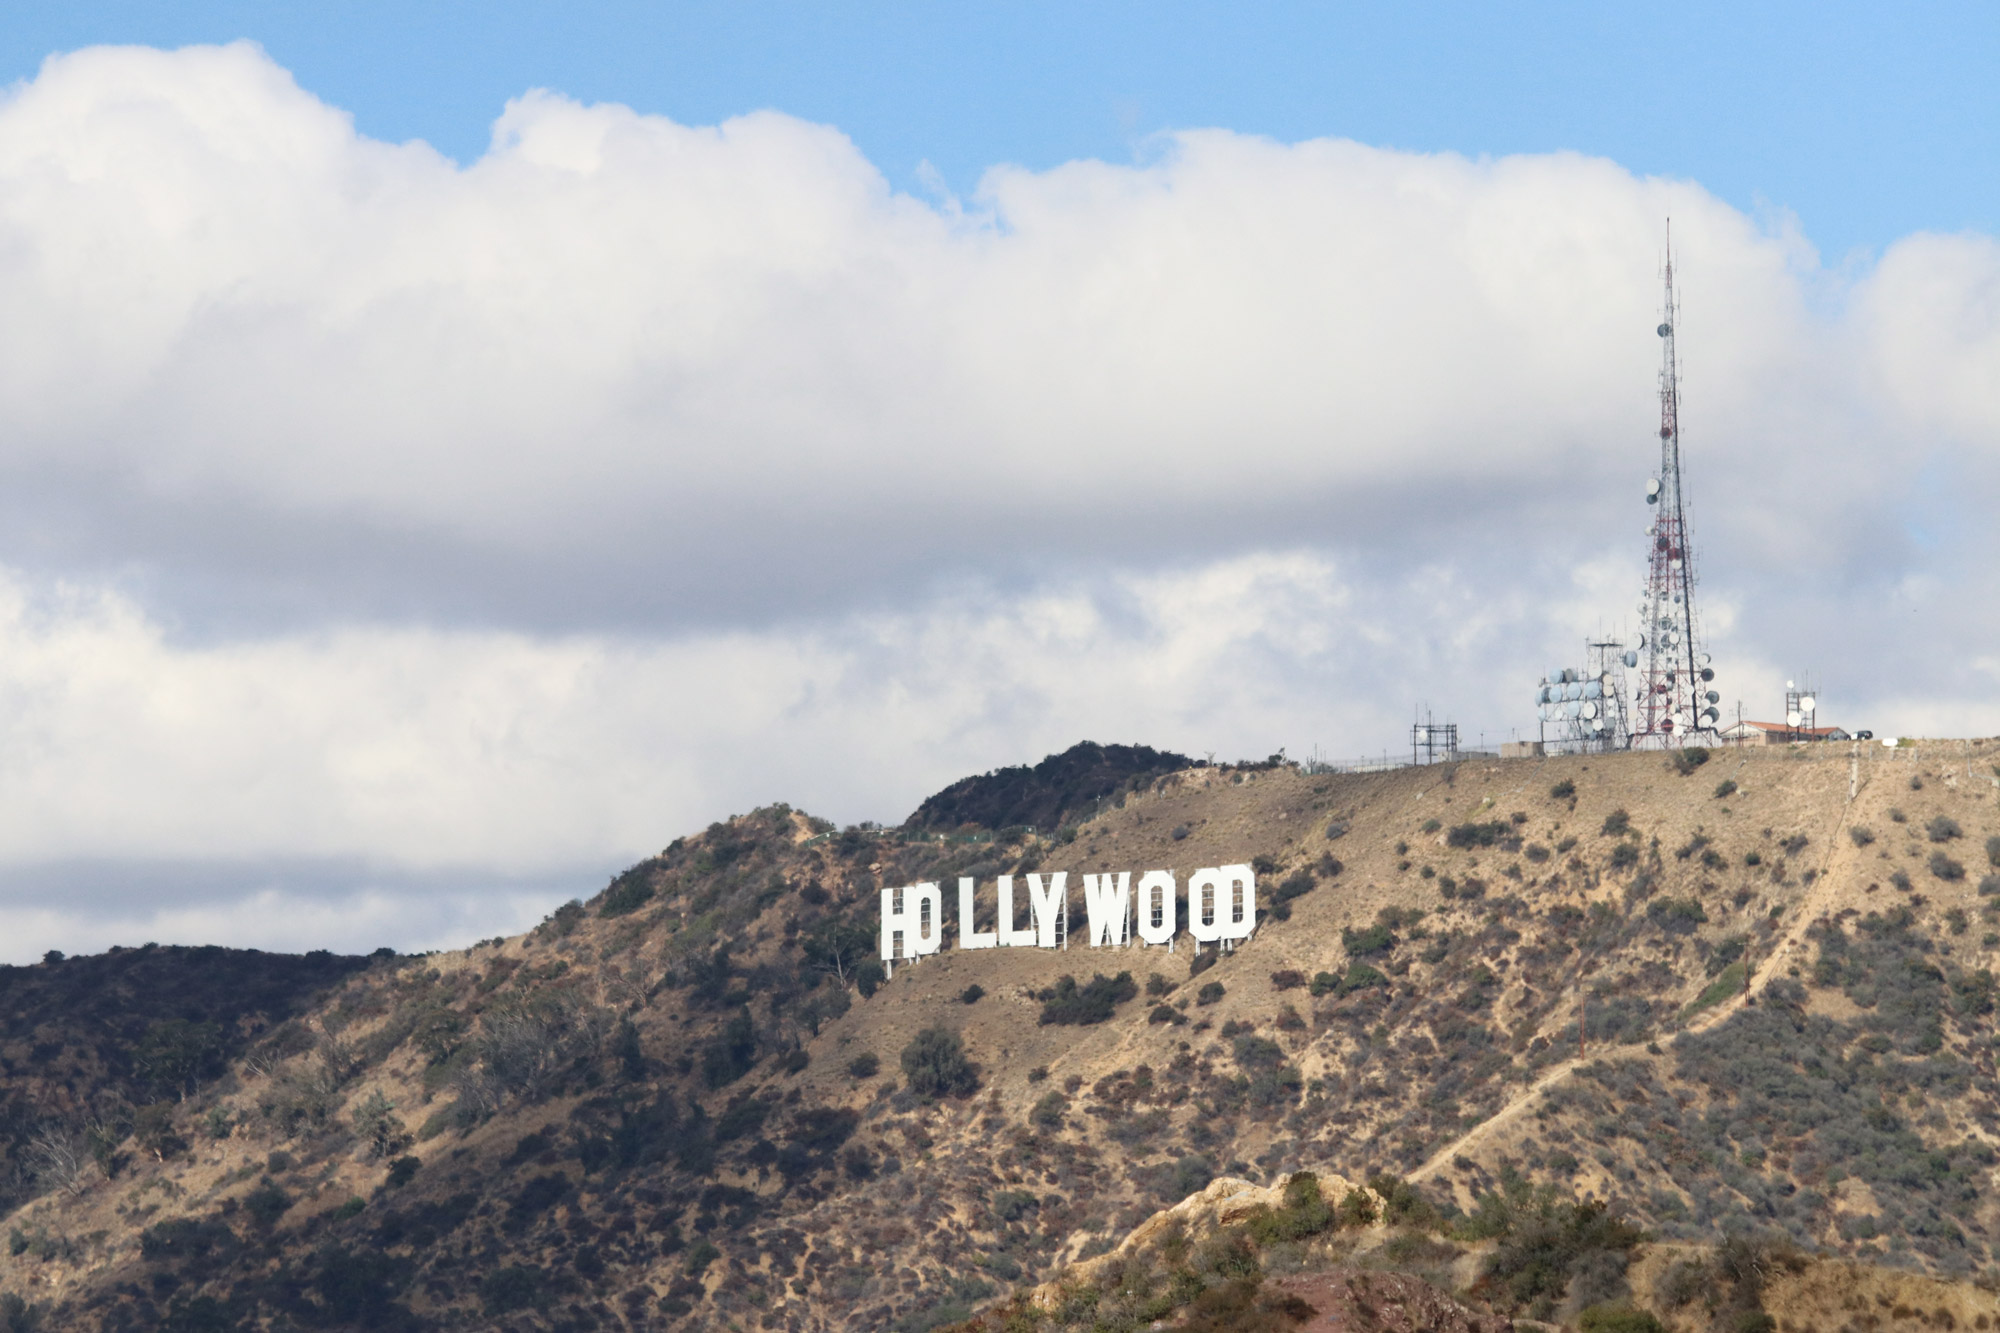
(1867, 121)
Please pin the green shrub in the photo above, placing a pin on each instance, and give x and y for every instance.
(1676, 916)
(1624, 856)
(699, 1256)
(1209, 993)
(1480, 835)
(1370, 942)
(1563, 790)
(1359, 976)
(936, 1066)
(731, 1053)
(865, 1065)
(972, 994)
(1304, 1213)
(1166, 1013)
(1944, 868)
(1430, 826)
(1295, 885)
(266, 1204)
(1727, 787)
(1690, 758)
(1861, 835)
(1013, 1205)
(1943, 828)
(1616, 824)
(1068, 1003)
(1048, 1112)
(627, 893)
(1993, 849)
(1357, 1209)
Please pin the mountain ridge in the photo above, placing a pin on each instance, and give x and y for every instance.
(696, 1101)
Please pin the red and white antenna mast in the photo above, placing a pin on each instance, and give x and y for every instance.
(1675, 703)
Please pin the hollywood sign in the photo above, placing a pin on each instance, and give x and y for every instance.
(1221, 909)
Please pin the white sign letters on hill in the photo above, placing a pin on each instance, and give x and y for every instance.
(1221, 908)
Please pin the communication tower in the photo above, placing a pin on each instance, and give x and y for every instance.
(1433, 742)
(1675, 703)
(1582, 709)
(1801, 704)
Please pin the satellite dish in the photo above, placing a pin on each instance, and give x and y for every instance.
(1793, 718)
(1808, 704)
(1664, 330)
(1706, 672)
(1589, 708)
(1789, 685)
(1702, 660)
(1712, 714)
(1640, 644)
(1713, 697)
(1632, 659)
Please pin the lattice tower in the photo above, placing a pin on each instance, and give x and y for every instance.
(1674, 702)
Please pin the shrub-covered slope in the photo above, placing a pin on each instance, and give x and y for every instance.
(697, 1101)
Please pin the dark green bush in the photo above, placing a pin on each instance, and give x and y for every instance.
(731, 1053)
(627, 893)
(865, 1065)
(1069, 1003)
(266, 1204)
(1048, 1112)
(1861, 835)
(1370, 942)
(1624, 856)
(1563, 790)
(1480, 835)
(1689, 759)
(1993, 849)
(1209, 993)
(972, 994)
(1304, 1213)
(936, 1066)
(1616, 824)
(1944, 868)
(1166, 1013)
(1676, 916)
(1725, 788)
(1295, 885)
(1013, 1205)
(1943, 828)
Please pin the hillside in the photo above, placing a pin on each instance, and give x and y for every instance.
(695, 1102)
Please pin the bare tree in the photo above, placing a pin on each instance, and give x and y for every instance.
(59, 1155)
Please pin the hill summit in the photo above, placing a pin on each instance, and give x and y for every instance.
(1559, 1025)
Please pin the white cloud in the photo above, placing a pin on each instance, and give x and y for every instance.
(365, 510)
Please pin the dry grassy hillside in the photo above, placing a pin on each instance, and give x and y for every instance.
(691, 1102)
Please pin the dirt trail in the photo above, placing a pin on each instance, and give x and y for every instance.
(1499, 1120)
